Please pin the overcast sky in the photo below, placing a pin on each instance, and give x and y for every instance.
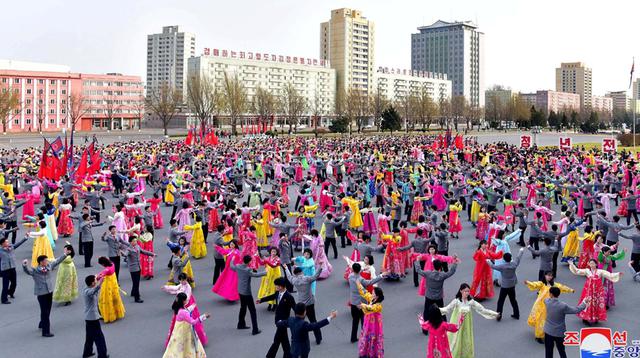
(524, 40)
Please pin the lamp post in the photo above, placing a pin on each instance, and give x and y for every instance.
(535, 130)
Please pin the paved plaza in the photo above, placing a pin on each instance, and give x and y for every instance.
(143, 331)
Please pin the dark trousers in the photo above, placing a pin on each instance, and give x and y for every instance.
(511, 293)
(541, 275)
(173, 212)
(311, 314)
(445, 266)
(554, 267)
(636, 261)
(10, 225)
(416, 279)
(80, 248)
(535, 243)
(280, 338)
(45, 302)
(116, 264)
(330, 241)
(357, 319)
(9, 283)
(205, 231)
(88, 252)
(135, 285)
(95, 212)
(630, 212)
(217, 269)
(521, 241)
(246, 302)
(549, 341)
(343, 237)
(94, 336)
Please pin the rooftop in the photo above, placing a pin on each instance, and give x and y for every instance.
(440, 24)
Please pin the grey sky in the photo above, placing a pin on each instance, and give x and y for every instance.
(525, 40)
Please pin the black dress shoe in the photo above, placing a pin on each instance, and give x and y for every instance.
(515, 317)
(256, 332)
(539, 340)
(89, 355)
(499, 317)
(48, 335)
(139, 301)
(243, 327)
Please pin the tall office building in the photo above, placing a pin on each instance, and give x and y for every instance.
(456, 49)
(347, 41)
(621, 101)
(575, 77)
(167, 55)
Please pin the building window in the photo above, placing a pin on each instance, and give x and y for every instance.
(16, 80)
(52, 121)
(64, 82)
(28, 120)
(40, 82)
(29, 81)
(16, 121)
(28, 111)
(53, 91)
(64, 91)
(53, 101)
(53, 82)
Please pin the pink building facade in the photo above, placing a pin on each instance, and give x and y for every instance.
(110, 101)
(602, 104)
(557, 101)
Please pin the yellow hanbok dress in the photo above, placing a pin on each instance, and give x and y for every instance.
(267, 287)
(184, 342)
(261, 234)
(572, 246)
(198, 247)
(41, 246)
(356, 217)
(538, 313)
(168, 197)
(109, 301)
(266, 219)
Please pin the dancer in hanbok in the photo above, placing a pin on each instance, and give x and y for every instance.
(371, 342)
(154, 204)
(308, 266)
(41, 244)
(538, 314)
(66, 289)
(428, 260)
(184, 287)
(391, 261)
(319, 258)
(198, 246)
(455, 225)
(65, 224)
(184, 343)
(461, 342)
(183, 217)
(437, 328)
(227, 284)
(145, 241)
(606, 257)
(267, 287)
(596, 310)
(588, 246)
(482, 286)
(109, 301)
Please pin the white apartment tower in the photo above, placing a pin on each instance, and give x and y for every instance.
(167, 55)
(575, 77)
(347, 41)
(455, 49)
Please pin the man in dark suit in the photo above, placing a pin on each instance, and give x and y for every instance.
(300, 345)
(284, 304)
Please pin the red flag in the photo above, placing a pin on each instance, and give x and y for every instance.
(81, 171)
(458, 142)
(189, 140)
(44, 162)
(434, 145)
(96, 160)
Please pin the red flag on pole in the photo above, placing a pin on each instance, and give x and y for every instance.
(189, 139)
(81, 171)
(44, 162)
(458, 142)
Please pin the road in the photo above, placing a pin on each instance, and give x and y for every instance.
(143, 331)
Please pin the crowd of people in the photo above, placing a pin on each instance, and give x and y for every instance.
(288, 211)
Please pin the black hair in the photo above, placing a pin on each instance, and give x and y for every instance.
(104, 261)
(434, 317)
(72, 252)
(370, 257)
(379, 295)
(554, 291)
(178, 304)
(462, 287)
(356, 267)
(280, 281)
(41, 258)
(507, 257)
(246, 259)
(89, 280)
(299, 309)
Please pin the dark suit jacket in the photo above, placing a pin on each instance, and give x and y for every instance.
(283, 306)
(300, 333)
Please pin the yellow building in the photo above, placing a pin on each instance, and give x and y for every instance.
(347, 41)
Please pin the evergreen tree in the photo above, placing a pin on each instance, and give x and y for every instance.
(390, 120)
(339, 125)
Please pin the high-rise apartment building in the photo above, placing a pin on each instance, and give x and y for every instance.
(456, 49)
(575, 77)
(167, 55)
(347, 41)
(621, 101)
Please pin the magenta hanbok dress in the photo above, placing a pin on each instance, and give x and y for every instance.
(320, 258)
(227, 284)
(438, 346)
(369, 223)
(438, 197)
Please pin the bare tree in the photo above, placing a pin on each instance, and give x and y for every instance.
(139, 109)
(444, 106)
(318, 110)
(293, 105)
(379, 103)
(9, 107)
(40, 111)
(459, 106)
(78, 107)
(356, 107)
(235, 99)
(164, 103)
(202, 98)
(111, 107)
(264, 105)
(426, 108)
(405, 105)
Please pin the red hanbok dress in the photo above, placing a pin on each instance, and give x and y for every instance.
(438, 346)
(154, 205)
(596, 310)
(28, 209)
(146, 262)
(482, 285)
(65, 225)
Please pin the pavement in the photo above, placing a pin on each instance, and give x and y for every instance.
(143, 331)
